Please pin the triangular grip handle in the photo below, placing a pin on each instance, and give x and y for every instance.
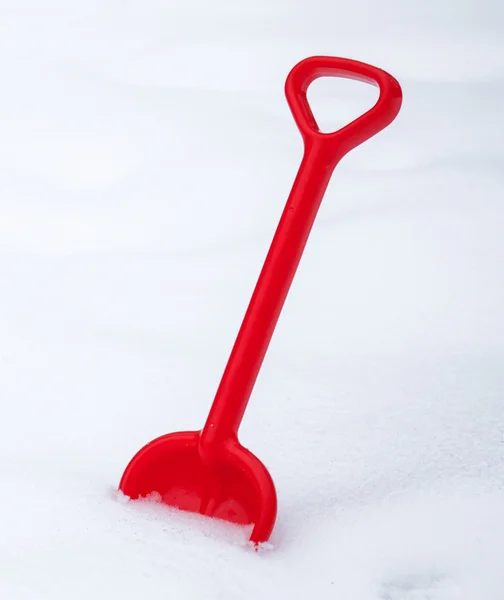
(338, 143)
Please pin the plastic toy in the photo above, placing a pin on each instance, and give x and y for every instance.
(209, 471)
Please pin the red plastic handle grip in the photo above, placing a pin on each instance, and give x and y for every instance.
(322, 153)
(348, 137)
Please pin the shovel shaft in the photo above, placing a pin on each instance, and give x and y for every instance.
(267, 301)
(322, 152)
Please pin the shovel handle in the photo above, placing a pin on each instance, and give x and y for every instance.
(333, 146)
(322, 153)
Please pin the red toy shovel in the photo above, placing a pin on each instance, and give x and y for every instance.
(209, 471)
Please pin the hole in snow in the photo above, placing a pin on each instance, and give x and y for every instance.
(335, 101)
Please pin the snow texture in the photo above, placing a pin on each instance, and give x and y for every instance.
(146, 153)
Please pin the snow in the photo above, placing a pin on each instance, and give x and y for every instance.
(146, 153)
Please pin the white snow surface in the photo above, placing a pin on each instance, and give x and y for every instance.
(146, 153)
